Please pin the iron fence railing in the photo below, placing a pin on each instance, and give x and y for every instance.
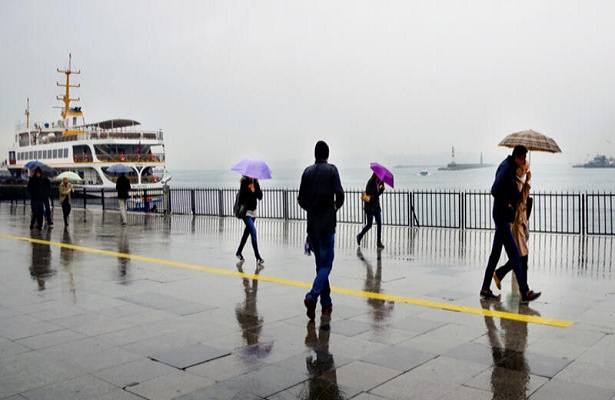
(569, 213)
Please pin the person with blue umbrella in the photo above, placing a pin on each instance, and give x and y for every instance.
(37, 195)
(122, 185)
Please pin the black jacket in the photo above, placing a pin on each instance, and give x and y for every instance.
(505, 192)
(247, 196)
(374, 189)
(321, 195)
(36, 189)
(122, 185)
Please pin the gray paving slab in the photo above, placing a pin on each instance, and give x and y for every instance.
(160, 309)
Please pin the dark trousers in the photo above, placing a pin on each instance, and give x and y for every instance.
(371, 215)
(323, 246)
(506, 268)
(66, 210)
(47, 209)
(37, 213)
(504, 238)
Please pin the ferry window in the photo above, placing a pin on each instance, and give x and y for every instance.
(49, 153)
(74, 121)
(65, 153)
(54, 154)
(39, 154)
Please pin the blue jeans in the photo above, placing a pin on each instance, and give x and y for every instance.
(504, 238)
(250, 230)
(323, 247)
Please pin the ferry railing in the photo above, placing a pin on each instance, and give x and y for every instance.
(566, 213)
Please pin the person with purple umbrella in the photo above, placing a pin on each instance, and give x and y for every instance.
(249, 194)
(373, 189)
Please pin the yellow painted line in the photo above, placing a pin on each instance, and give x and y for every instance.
(351, 292)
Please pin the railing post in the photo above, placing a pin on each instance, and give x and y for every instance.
(583, 215)
(285, 204)
(193, 201)
(220, 203)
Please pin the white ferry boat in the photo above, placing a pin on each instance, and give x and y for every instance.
(89, 149)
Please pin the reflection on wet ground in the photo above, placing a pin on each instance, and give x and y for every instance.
(161, 310)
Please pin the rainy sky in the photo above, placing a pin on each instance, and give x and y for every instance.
(399, 82)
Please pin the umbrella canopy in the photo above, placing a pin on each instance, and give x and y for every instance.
(253, 168)
(45, 169)
(382, 173)
(70, 175)
(119, 169)
(532, 140)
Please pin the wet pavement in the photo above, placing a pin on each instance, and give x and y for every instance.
(161, 309)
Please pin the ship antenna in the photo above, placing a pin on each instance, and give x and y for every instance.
(28, 114)
(66, 98)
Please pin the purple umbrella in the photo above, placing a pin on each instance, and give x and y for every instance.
(382, 173)
(253, 168)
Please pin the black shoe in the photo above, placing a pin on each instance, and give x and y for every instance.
(327, 310)
(530, 296)
(260, 261)
(311, 308)
(50, 222)
(239, 256)
(488, 295)
(380, 246)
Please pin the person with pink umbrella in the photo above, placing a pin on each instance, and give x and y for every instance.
(373, 190)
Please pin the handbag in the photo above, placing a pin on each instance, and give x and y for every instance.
(365, 197)
(239, 209)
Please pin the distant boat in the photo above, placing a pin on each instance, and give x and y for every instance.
(423, 172)
(600, 161)
(453, 166)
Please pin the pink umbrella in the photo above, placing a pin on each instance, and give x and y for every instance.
(253, 168)
(382, 173)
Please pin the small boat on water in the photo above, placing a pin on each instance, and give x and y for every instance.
(89, 149)
(599, 161)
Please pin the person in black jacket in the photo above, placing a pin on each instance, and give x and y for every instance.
(37, 195)
(249, 193)
(505, 198)
(46, 194)
(373, 189)
(321, 195)
(122, 185)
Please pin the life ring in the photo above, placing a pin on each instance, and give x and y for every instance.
(153, 157)
(76, 158)
(122, 157)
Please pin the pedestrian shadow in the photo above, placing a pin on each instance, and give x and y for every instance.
(67, 256)
(250, 322)
(320, 363)
(380, 309)
(123, 263)
(510, 376)
(40, 265)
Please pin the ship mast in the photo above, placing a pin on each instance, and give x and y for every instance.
(28, 114)
(66, 98)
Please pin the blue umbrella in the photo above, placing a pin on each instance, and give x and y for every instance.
(119, 169)
(46, 169)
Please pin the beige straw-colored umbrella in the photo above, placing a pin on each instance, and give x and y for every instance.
(532, 140)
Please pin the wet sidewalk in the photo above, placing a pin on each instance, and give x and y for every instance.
(161, 309)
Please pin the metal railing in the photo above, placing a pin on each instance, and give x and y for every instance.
(568, 213)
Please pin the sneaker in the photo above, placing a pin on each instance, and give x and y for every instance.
(380, 246)
(260, 261)
(311, 308)
(498, 282)
(530, 296)
(239, 256)
(327, 310)
(488, 295)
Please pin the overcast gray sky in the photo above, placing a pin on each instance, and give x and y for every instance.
(388, 81)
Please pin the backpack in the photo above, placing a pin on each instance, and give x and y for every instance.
(239, 209)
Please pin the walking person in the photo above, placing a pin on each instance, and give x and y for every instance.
(122, 185)
(46, 195)
(65, 189)
(321, 195)
(506, 195)
(37, 193)
(249, 193)
(373, 189)
(520, 228)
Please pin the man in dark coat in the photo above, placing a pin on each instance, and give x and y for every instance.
(505, 197)
(321, 195)
(37, 195)
(122, 185)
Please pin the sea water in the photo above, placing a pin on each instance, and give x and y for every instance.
(545, 178)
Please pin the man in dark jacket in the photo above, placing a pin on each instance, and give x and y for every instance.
(321, 195)
(505, 197)
(122, 185)
(37, 195)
